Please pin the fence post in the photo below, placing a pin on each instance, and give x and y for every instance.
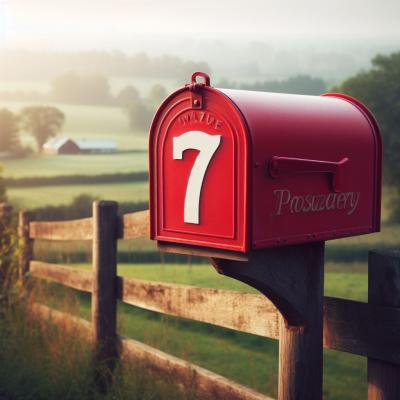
(104, 297)
(383, 290)
(25, 243)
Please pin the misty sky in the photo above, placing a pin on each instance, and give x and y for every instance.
(79, 24)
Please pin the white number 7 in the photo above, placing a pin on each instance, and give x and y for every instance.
(207, 146)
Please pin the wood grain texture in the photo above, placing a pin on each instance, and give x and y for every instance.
(78, 229)
(349, 326)
(345, 325)
(192, 377)
(63, 274)
(104, 295)
(292, 278)
(135, 225)
(201, 251)
(300, 348)
(384, 290)
(245, 312)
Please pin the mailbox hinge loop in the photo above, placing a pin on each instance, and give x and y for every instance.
(195, 89)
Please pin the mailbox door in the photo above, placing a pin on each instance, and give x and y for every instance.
(198, 171)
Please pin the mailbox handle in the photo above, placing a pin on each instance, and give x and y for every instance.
(203, 75)
(288, 165)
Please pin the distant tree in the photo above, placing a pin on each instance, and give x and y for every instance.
(127, 96)
(379, 90)
(42, 122)
(81, 89)
(300, 84)
(9, 129)
(226, 84)
(157, 94)
(139, 116)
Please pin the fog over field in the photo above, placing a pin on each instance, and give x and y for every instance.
(266, 39)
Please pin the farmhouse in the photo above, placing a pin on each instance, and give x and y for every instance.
(60, 145)
(64, 145)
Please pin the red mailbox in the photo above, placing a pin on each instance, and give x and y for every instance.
(240, 170)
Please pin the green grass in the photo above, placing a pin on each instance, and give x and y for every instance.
(248, 359)
(82, 164)
(41, 361)
(61, 195)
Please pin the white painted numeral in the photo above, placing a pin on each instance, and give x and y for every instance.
(207, 146)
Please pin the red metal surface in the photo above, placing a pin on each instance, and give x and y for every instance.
(288, 168)
(224, 192)
(288, 165)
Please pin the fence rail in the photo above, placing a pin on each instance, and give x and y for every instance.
(130, 226)
(366, 329)
(190, 375)
(350, 326)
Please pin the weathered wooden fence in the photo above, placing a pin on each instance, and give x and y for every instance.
(367, 329)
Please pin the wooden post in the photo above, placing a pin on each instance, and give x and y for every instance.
(292, 278)
(300, 347)
(25, 243)
(383, 290)
(104, 297)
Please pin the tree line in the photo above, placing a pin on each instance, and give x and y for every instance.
(73, 88)
(379, 89)
(299, 84)
(45, 65)
(42, 122)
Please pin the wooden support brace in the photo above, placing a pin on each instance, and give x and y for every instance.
(292, 278)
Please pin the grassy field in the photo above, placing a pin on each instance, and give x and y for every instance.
(248, 359)
(94, 164)
(61, 195)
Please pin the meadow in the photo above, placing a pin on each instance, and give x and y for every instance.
(248, 359)
(76, 164)
(34, 197)
(82, 121)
